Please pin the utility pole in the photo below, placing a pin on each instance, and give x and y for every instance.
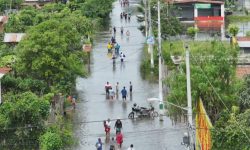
(146, 17)
(150, 46)
(10, 4)
(190, 115)
(160, 65)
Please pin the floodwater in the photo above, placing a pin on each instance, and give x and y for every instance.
(93, 107)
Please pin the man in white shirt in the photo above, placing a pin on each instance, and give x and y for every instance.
(108, 123)
(131, 147)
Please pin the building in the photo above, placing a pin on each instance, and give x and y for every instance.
(200, 10)
(242, 71)
(244, 44)
(244, 54)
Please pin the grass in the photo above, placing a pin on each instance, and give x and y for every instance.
(233, 18)
(147, 72)
(171, 48)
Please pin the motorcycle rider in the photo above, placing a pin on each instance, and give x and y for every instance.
(136, 108)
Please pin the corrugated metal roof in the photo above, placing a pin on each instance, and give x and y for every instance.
(13, 37)
(4, 70)
(244, 43)
(3, 19)
(243, 38)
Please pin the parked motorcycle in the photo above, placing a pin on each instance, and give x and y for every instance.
(142, 112)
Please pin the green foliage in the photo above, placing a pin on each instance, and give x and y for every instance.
(5, 4)
(170, 25)
(246, 11)
(233, 29)
(234, 133)
(19, 85)
(21, 21)
(235, 18)
(7, 60)
(50, 53)
(248, 34)
(22, 118)
(147, 72)
(50, 141)
(244, 98)
(191, 31)
(210, 62)
(97, 8)
(62, 131)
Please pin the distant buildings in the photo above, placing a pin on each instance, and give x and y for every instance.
(243, 67)
(200, 10)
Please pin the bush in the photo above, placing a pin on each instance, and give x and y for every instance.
(191, 31)
(51, 141)
(248, 34)
(233, 29)
(246, 11)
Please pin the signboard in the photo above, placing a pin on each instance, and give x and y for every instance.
(203, 126)
(202, 6)
(150, 40)
(87, 47)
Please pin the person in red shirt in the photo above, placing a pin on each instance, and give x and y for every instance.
(119, 139)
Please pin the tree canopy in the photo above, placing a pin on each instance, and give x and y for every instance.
(22, 118)
(50, 52)
(234, 132)
(212, 78)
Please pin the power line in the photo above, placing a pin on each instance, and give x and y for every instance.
(227, 109)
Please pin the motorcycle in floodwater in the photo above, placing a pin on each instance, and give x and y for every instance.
(142, 112)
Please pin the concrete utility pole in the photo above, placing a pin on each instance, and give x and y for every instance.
(10, 4)
(150, 46)
(160, 65)
(146, 17)
(189, 98)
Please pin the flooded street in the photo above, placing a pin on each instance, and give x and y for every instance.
(93, 107)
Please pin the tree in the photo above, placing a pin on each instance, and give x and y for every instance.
(5, 4)
(50, 52)
(209, 64)
(22, 120)
(19, 85)
(244, 98)
(21, 21)
(97, 8)
(191, 31)
(234, 133)
(51, 141)
(170, 25)
(233, 29)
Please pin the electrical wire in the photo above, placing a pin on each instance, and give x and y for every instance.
(195, 58)
(227, 109)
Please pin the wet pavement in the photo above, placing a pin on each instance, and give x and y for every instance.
(93, 107)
